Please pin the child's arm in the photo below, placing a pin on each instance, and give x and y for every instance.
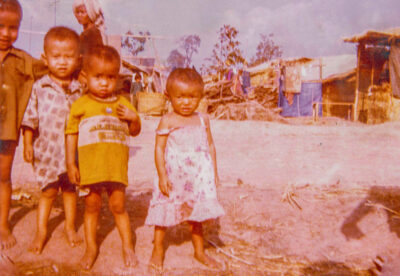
(127, 114)
(161, 141)
(213, 152)
(30, 123)
(28, 144)
(71, 144)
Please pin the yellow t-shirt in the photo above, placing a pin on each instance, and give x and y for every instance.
(103, 139)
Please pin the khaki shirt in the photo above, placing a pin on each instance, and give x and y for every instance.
(17, 74)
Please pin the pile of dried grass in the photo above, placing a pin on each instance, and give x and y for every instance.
(376, 104)
(266, 96)
(259, 104)
(248, 110)
(239, 255)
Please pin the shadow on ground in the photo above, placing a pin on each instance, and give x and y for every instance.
(387, 198)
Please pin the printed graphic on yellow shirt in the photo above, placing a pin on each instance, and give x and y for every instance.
(103, 129)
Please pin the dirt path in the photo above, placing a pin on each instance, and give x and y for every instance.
(299, 199)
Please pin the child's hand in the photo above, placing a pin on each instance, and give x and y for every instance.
(73, 174)
(131, 116)
(28, 153)
(164, 185)
(125, 113)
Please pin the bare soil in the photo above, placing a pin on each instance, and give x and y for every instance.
(301, 198)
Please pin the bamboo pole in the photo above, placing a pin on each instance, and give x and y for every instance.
(320, 69)
(355, 115)
(371, 103)
(158, 62)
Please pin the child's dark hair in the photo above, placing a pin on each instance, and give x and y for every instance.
(185, 75)
(138, 77)
(60, 33)
(104, 53)
(12, 6)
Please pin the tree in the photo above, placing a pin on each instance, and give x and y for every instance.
(266, 50)
(176, 59)
(189, 44)
(226, 51)
(133, 44)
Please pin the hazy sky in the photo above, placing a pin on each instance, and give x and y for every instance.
(309, 28)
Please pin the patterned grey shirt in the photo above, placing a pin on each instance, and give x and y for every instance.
(47, 113)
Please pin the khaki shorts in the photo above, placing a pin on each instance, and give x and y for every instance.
(62, 183)
(7, 147)
(109, 187)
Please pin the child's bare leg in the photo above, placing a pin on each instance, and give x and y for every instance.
(198, 244)
(91, 218)
(157, 256)
(45, 203)
(117, 207)
(7, 240)
(70, 198)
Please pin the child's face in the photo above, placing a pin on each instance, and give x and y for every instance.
(9, 26)
(185, 98)
(62, 58)
(102, 78)
(82, 15)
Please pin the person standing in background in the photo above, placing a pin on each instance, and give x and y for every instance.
(136, 87)
(90, 15)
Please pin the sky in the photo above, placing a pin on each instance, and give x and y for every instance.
(309, 28)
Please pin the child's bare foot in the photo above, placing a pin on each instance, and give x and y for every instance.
(72, 237)
(7, 240)
(130, 259)
(88, 259)
(208, 261)
(156, 261)
(38, 243)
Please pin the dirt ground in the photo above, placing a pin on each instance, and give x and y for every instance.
(301, 199)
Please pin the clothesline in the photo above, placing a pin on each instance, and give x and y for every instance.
(122, 35)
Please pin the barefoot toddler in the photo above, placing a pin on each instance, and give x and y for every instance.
(99, 125)
(187, 169)
(44, 126)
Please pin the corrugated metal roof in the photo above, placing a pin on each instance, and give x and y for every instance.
(268, 64)
(331, 66)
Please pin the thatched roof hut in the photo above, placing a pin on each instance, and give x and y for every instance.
(377, 75)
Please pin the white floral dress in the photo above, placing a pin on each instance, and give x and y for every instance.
(191, 172)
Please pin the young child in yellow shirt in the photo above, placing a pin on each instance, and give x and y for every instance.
(99, 125)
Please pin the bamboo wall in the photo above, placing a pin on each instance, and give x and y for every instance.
(378, 106)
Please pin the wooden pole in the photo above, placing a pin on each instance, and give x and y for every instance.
(371, 102)
(159, 63)
(320, 69)
(355, 114)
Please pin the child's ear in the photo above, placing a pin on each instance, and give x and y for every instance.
(43, 57)
(166, 94)
(80, 61)
(83, 76)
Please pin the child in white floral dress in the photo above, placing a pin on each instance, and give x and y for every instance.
(186, 165)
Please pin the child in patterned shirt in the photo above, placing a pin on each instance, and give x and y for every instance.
(44, 126)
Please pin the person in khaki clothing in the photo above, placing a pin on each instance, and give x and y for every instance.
(16, 79)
